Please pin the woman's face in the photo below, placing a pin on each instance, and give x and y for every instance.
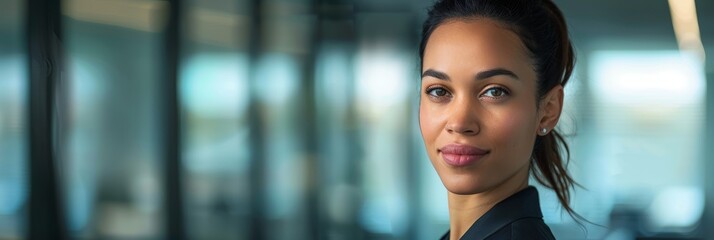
(477, 113)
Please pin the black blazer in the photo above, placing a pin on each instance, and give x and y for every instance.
(516, 217)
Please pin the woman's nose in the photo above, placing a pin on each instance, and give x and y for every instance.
(463, 119)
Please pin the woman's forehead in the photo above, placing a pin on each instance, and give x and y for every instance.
(475, 45)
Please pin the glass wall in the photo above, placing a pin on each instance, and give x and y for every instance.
(13, 121)
(113, 162)
(215, 96)
(640, 147)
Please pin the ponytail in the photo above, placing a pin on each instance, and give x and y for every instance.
(550, 167)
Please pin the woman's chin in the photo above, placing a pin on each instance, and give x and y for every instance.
(463, 185)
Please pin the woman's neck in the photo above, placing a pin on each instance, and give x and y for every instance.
(464, 210)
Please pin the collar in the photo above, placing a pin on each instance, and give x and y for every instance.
(523, 204)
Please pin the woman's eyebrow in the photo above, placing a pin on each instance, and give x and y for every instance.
(435, 74)
(496, 72)
(480, 76)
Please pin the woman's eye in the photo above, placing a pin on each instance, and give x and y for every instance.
(437, 92)
(495, 92)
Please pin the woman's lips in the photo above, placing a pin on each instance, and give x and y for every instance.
(459, 155)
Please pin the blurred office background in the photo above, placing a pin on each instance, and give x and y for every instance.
(297, 119)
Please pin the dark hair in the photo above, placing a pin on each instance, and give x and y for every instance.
(541, 27)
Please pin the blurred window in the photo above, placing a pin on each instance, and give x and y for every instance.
(13, 120)
(643, 149)
(113, 164)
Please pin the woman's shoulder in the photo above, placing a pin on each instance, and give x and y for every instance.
(525, 228)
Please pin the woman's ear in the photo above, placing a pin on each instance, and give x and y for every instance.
(550, 108)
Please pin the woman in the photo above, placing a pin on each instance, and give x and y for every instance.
(493, 73)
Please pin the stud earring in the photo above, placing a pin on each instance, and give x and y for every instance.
(543, 131)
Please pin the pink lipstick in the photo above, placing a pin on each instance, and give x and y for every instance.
(459, 155)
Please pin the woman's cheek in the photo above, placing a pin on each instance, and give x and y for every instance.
(427, 120)
(512, 128)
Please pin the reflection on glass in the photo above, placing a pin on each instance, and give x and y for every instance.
(113, 175)
(647, 133)
(384, 79)
(214, 99)
(337, 140)
(13, 121)
(382, 106)
(278, 76)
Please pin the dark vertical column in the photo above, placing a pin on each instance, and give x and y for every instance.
(46, 219)
(255, 121)
(309, 128)
(173, 198)
(413, 139)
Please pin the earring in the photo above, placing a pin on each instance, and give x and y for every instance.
(543, 131)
